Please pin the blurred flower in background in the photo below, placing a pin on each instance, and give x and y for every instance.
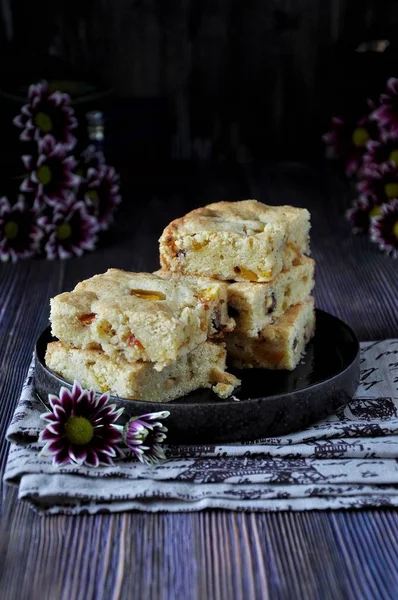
(348, 141)
(361, 213)
(20, 235)
(102, 197)
(380, 152)
(47, 113)
(387, 113)
(50, 172)
(369, 151)
(70, 231)
(64, 202)
(384, 228)
(380, 183)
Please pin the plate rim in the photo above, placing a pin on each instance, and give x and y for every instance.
(178, 402)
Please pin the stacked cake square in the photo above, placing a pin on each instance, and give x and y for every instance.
(259, 251)
(138, 335)
(235, 279)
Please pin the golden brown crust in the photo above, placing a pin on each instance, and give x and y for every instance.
(237, 217)
(237, 241)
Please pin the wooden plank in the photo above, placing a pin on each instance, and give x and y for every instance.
(201, 555)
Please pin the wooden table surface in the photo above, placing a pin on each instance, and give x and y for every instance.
(212, 554)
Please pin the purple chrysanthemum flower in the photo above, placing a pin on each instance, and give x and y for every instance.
(384, 228)
(47, 113)
(361, 213)
(70, 231)
(347, 140)
(144, 435)
(379, 152)
(386, 114)
(100, 191)
(50, 173)
(380, 183)
(81, 428)
(20, 235)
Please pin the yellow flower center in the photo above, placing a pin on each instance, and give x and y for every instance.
(395, 230)
(63, 231)
(391, 190)
(79, 431)
(360, 137)
(11, 230)
(394, 157)
(375, 212)
(44, 174)
(92, 194)
(43, 122)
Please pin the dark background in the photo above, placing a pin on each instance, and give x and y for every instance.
(208, 79)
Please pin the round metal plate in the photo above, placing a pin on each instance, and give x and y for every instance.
(269, 403)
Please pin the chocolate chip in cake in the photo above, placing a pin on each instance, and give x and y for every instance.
(232, 312)
(295, 343)
(270, 303)
(181, 254)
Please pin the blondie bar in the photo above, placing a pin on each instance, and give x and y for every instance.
(255, 305)
(239, 241)
(139, 316)
(204, 367)
(278, 346)
(221, 322)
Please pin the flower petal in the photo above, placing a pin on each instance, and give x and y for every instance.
(55, 428)
(46, 435)
(78, 454)
(62, 458)
(92, 458)
(56, 446)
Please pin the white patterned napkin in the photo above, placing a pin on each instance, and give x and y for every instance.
(348, 460)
